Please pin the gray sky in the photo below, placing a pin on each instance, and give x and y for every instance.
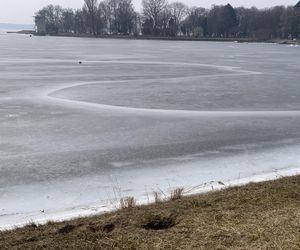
(21, 11)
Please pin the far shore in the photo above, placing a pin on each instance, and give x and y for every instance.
(165, 38)
(183, 38)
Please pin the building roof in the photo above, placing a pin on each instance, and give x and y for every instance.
(297, 5)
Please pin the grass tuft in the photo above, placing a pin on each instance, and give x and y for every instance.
(127, 202)
(176, 194)
(157, 197)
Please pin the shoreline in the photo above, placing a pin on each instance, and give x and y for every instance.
(164, 38)
(258, 215)
(114, 205)
(181, 38)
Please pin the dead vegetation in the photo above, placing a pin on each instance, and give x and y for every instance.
(127, 202)
(176, 194)
(256, 216)
(157, 197)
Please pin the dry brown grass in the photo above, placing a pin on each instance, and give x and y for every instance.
(157, 197)
(256, 216)
(176, 194)
(127, 202)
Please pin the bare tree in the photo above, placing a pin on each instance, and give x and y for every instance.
(125, 17)
(106, 13)
(159, 18)
(113, 6)
(178, 11)
(290, 22)
(68, 20)
(195, 23)
(53, 18)
(80, 26)
(91, 7)
(152, 10)
(164, 19)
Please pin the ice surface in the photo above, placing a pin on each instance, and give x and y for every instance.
(137, 116)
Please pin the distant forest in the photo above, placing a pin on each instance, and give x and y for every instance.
(160, 18)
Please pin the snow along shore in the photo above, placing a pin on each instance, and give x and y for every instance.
(164, 180)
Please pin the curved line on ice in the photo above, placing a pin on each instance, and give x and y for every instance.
(48, 94)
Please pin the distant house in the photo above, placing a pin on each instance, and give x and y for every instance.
(40, 25)
(297, 5)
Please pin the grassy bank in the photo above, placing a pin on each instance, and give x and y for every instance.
(256, 216)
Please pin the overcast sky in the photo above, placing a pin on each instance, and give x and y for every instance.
(21, 11)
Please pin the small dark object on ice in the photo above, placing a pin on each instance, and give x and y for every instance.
(80, 62)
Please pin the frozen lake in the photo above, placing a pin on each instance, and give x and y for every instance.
(138, 116)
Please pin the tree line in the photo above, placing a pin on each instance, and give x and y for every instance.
(160, 18)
